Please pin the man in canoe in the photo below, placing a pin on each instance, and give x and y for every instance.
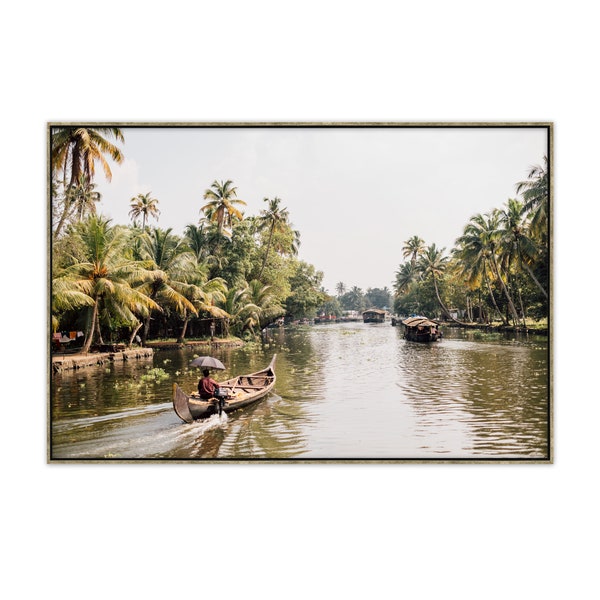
(207, 386)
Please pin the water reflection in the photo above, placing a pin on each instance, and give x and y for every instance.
(345, 391)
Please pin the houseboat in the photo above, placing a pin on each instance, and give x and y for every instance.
(373, 315)
(421, 329)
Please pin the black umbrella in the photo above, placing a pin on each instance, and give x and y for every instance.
(207, 362)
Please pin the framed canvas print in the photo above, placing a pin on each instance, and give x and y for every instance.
(300, 292)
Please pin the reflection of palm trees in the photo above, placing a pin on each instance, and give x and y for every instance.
(506, 410)
(275, 426)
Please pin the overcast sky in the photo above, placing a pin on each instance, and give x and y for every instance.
(355, 194)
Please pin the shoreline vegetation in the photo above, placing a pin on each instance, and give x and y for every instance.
(231, 273)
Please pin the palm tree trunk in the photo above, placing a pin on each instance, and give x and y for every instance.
(88, 342)
(183, 329)
(511, 305)
(135, 332)
(540, 286)
(66, 213)
(146, 330)
(522, 308)
(491, 292)
(444, 309)
(267, 252)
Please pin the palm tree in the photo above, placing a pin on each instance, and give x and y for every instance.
(73, 203)
(237, 305)
(171, 267)
(67, 294)
(221, 206)
(105, 275)
(268, 308)
(536, 191)
(75, 152)
(472, 259)
(198, 241)
(517, 237)
(82, 198)
(204, 294)
(145, 206)
(485, 232)
(413, 247)
(276, 220)
(432, 262)
(340, 288)
(356, 298)
(405, 276)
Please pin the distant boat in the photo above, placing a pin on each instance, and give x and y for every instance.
(233, 394)
(373, 315)
(421, 329)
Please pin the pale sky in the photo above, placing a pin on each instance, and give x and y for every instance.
(355, 194)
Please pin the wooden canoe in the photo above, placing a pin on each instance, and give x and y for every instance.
(242, 391)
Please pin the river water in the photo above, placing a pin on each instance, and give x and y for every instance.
(344, 391)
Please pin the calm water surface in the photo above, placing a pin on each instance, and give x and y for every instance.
(344, 391)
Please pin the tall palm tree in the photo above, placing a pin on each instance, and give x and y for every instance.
(75, 152)
(275, 219)
(83, 198)
(405, 276)
(517, 237)
(432, 262)
(486, 230)
(472, 259)
(340, 288)
(102, 272)
(413, 247)
(143, 205)
(221, 207)
(536, 192)
(74, 203)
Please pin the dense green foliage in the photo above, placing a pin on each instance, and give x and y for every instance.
(233, 274)
(228, 274)
(497, 271)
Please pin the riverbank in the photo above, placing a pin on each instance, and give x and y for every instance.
(215, 343)
(69, 362)
(499, 328)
